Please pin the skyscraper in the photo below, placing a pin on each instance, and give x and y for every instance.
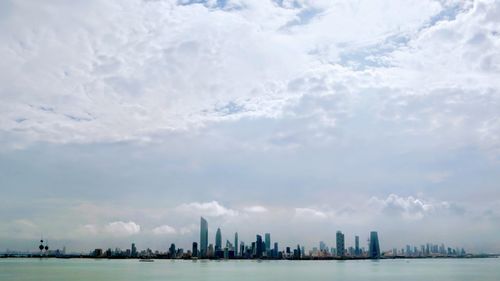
(218, 240)
(322, 246)
(374, 250)
(268, 241)
(236, 244)
(195, 250)
(203, 237)
(340, 244)
(133, 251)
(171, 250)
(356, 246)
(258, 247)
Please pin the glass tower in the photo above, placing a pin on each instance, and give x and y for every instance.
(218, 240)
(203, 237)
(356, 246)
(236, 244)
(340, 244)
(374, 250)
(267, 239)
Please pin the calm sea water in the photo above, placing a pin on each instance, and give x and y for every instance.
(387, 270)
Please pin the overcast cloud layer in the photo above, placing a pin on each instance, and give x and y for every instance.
(126, 120)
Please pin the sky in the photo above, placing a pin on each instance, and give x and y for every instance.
(126, 120)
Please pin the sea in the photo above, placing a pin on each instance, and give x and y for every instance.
(478, 269)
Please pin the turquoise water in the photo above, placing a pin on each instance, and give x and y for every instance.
(87, 269)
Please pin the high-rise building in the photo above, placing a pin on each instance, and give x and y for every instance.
(275, 251)
(340, 244)
(171, 250)
(322, 246)
(236, 244)
(268, 241)
(242, 249)
(210, 250)
(133, 251)
(203, 237)
(374, 250)
(195, 250)
(218, 240)
(258, 247)
(356, 246)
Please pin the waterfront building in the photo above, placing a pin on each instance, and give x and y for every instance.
(242, 249)
(322, 247)
(133, 251)
(258, 246)
(374, 250)
(203, 237)
(210, 251)
(267, 238)
(356, 246)
(340, 244)
(218, 240)
(236, 244)
(171, 250)
(194, 252)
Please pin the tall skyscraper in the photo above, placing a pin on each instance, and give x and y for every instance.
(171, 250)
(218, 240)
(340, 244)
(236, 244)
(203, 237)
(356, 246)
(258, 247)
(268, 241)
(133, 251)
(242, 249)
(275, 251)
(374, 250)
(194, 252)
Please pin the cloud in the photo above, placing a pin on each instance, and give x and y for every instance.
(414, 208)
(255, 209)
(164, 230)
(89, 229)
(310, 213)
(120, 228)
(210, 209)
(199, 64)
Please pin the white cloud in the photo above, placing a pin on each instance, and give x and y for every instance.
(310, 213)
(413, 208)
(164, 230)
(151, 67)
(120, 228)
(188, 229)
(89, 229)
(255, 209)
(209, 209)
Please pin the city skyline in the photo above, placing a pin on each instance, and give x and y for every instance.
(261, 248)
(127, 120)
